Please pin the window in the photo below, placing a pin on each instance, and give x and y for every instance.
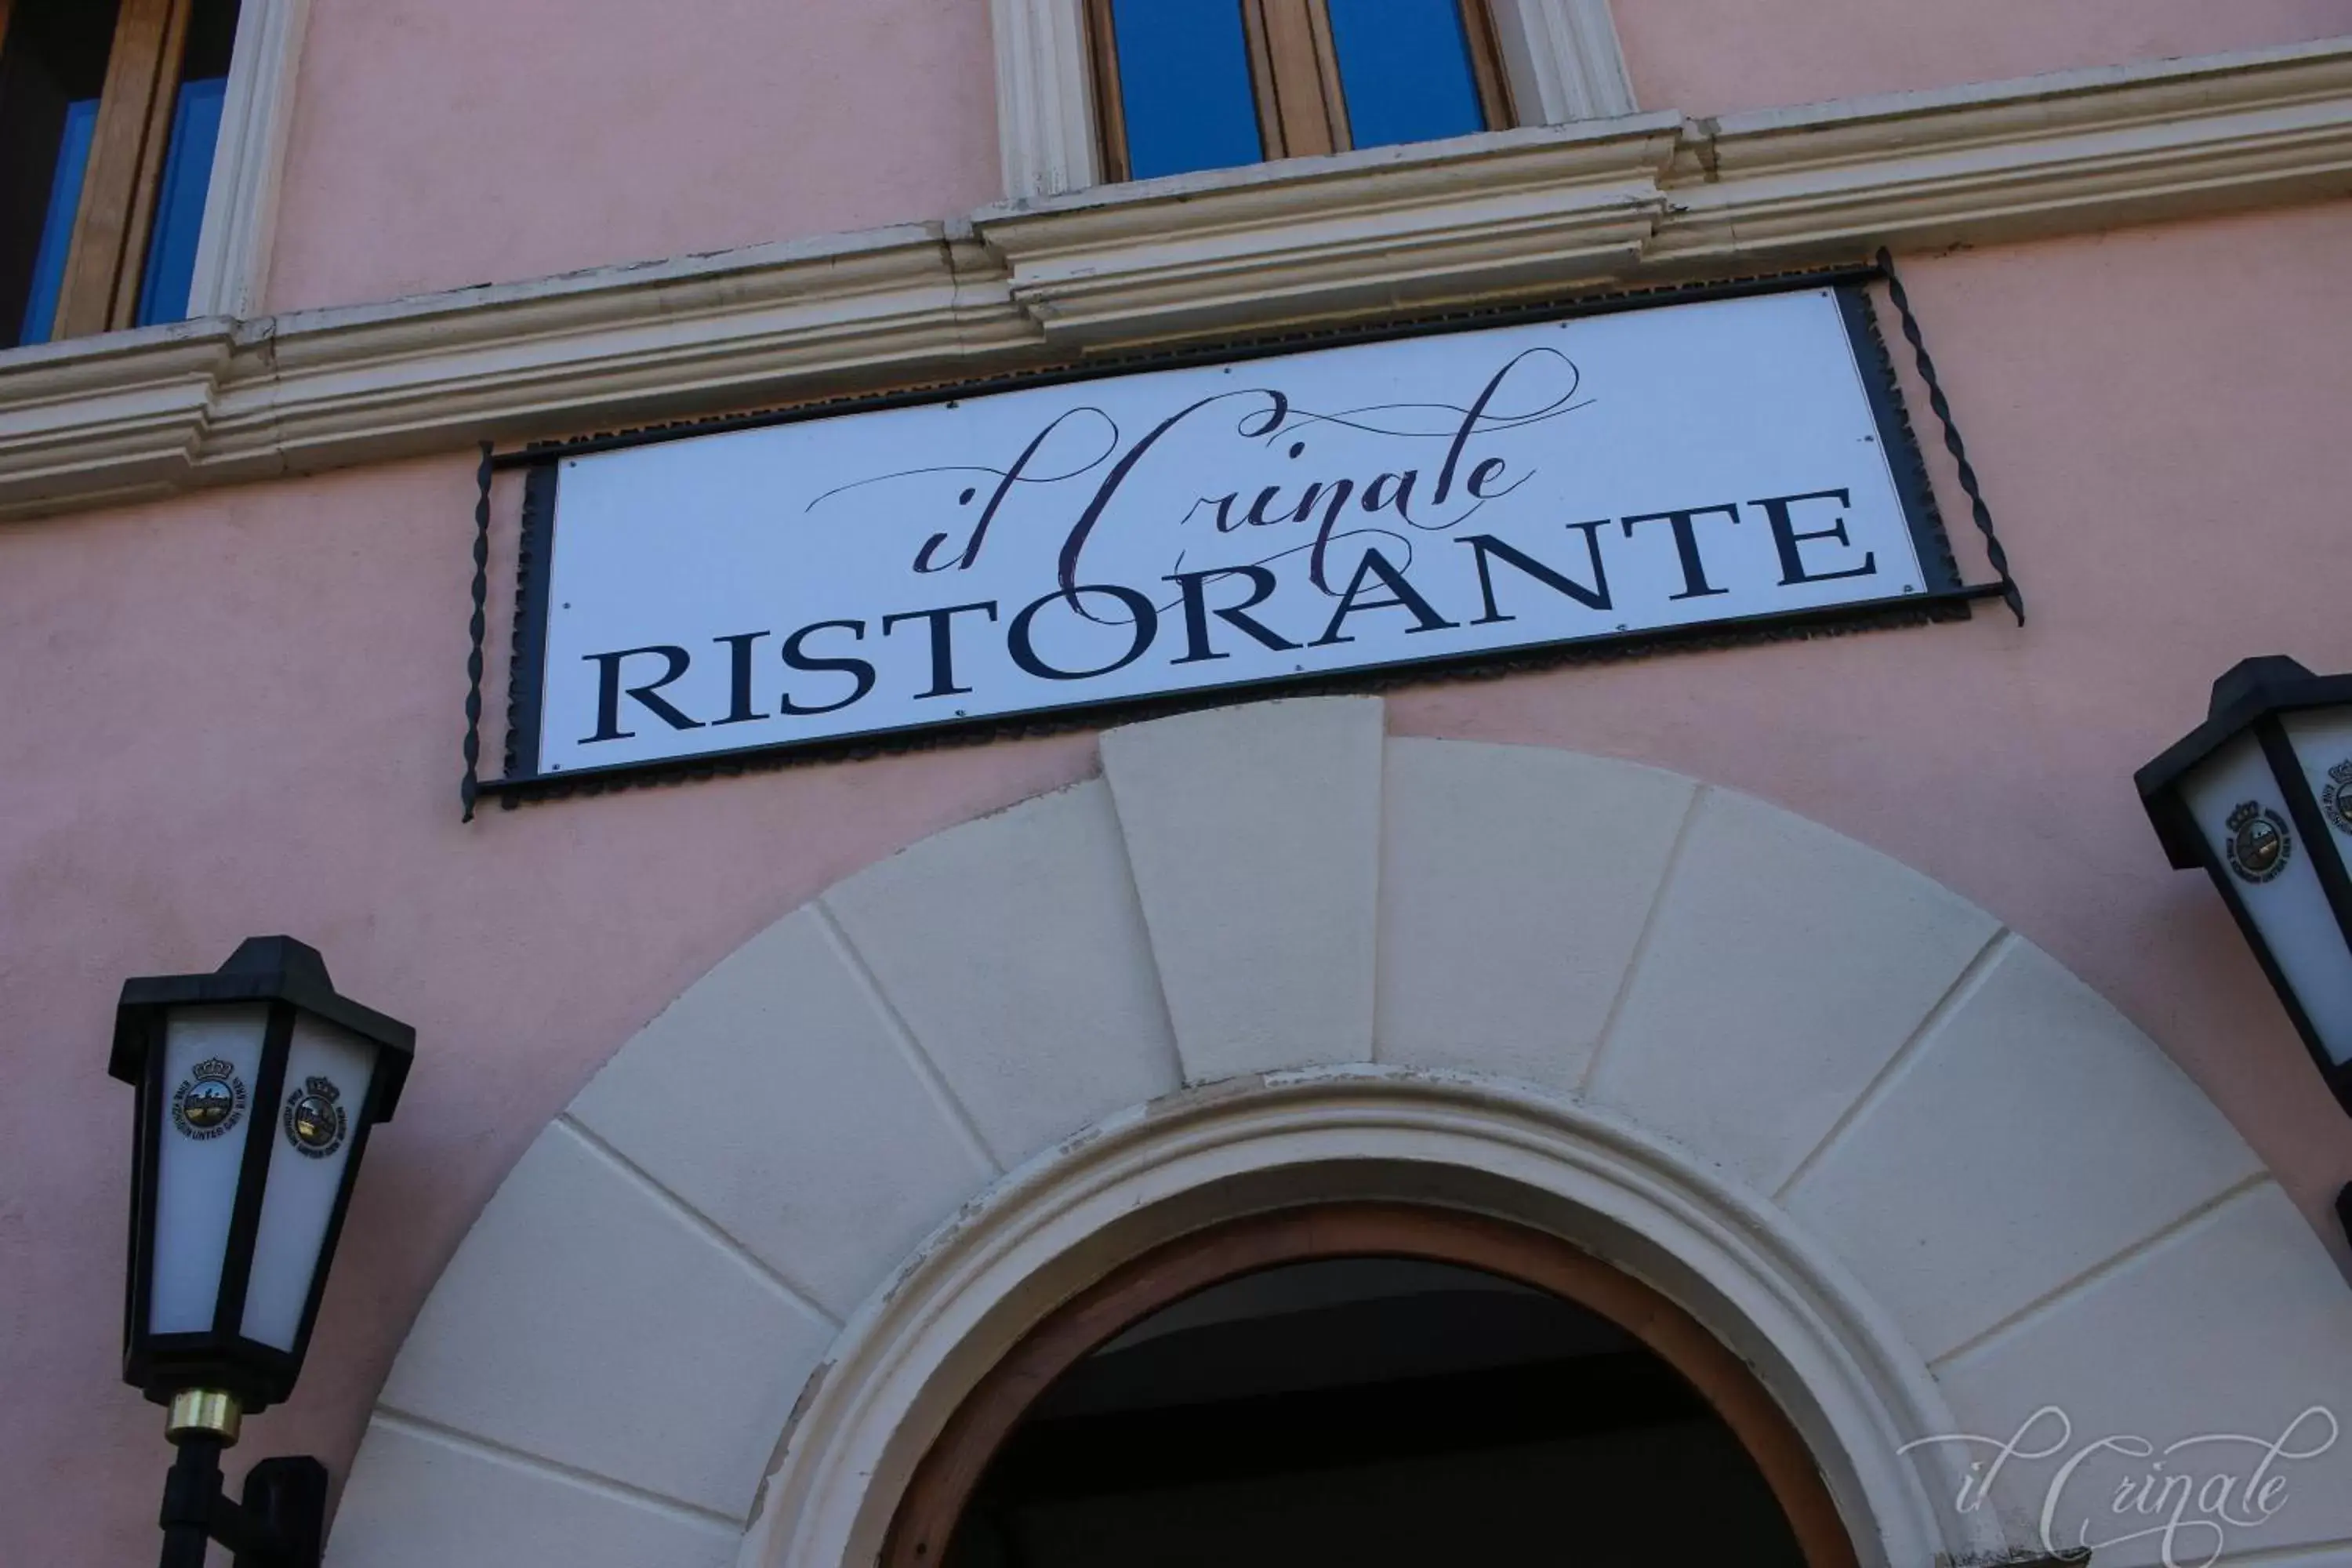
(1204, 84)
(1059, 84)
(110, 113)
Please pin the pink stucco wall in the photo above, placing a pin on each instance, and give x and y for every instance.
(1716, 56)
(238, 712)
(438, 143)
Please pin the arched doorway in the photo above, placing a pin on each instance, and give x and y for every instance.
(1370, 1383)
(1920, 1179)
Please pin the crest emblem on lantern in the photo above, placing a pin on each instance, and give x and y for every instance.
(2258, 848)
(314, 1119)
(210, 1100)
(2335, 800)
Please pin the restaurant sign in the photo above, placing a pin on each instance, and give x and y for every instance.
(1428, 502)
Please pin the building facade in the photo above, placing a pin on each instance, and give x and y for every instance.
(1799, 991)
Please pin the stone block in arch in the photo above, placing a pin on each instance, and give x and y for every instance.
(1896, 1157)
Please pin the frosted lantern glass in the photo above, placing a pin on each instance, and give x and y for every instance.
(310, 1130)
(2287, 906)
(212, 1057)
(2321, 738)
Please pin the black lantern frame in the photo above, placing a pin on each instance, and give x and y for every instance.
(2254, 699)
(290, 979)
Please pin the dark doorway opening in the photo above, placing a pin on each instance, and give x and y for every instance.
(1377, 1413)
(1372, 1386)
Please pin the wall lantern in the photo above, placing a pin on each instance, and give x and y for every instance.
(2261, 795)
(258, 1085)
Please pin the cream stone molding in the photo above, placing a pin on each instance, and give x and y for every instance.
(1315, 238)
(129, 415)
(1045, 97)
(1564, 60)
(1541, 211)
(2096, 149)
(1917, 1175)
(1353, 1132)
(233, 247)
(836, 314)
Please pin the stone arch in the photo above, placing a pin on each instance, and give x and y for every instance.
(1913, 1171)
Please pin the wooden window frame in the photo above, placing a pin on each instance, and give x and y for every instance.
(1302, 109)
(943, 1482)
(106, 258)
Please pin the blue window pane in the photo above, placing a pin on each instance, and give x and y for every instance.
(56, 226)
(180, 206)
(1404, 66)
(1184, 84)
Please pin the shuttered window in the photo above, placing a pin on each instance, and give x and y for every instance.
(1185, 85)
(109, 116)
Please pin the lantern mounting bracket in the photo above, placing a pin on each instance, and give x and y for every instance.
(280, 1524)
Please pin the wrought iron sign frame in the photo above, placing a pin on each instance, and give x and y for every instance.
(1946, 597)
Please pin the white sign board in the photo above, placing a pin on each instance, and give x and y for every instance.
(1383, 504)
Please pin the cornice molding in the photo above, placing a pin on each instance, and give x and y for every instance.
(615, 346)
(1553, 210)
(1313, 237)
(2082, 150)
